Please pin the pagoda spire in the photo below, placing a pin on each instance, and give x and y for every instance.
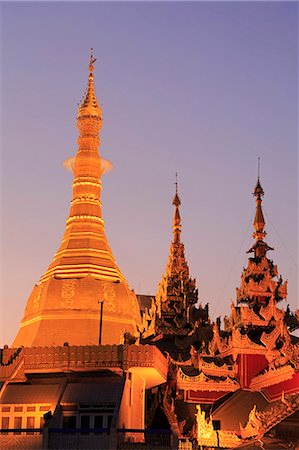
(258, 282)
(83, 272)
(177, 224)
(260, 247)
(259, 221)
(176, 291)
(85, 217)
(89, 105)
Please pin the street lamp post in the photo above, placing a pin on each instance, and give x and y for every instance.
(101, 302)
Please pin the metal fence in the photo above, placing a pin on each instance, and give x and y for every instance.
(86, 439)
(21, 439)
(80, 438)
(121, 438)
(144, 439)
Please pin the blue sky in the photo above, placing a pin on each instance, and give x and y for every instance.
(200, 88)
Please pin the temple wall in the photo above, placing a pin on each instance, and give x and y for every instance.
(131, 413)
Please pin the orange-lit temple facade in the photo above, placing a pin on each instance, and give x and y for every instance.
(96, 366)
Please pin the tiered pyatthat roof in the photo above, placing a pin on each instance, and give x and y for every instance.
(256, 325)
(259, 281)
(253, 354)
(177, 292)
(83, 273)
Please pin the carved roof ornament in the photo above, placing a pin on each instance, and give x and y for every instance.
(259, 422)
(215, 343)
(253, 425)
(207, 436)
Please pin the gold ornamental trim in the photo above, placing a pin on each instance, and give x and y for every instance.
(71, 316)
(89, 200)
(207, 436)
(80, 270)
(202, 383)
(84, 217)
(272, 376)
(105, 254)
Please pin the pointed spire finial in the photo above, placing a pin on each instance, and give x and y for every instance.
(259, 221)
(177, 226)
(258, 190)
(89, 105)
(260, 247)
(92, 61)
(176, 201)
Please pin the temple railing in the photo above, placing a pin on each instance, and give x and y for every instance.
(94, 357)
(204, 383)
(11, 360)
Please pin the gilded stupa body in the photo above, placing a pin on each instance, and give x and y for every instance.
(65, 305)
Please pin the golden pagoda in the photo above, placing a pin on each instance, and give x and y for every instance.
(79, 375)
(83, 298)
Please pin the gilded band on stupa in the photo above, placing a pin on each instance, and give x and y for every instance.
(83, 271)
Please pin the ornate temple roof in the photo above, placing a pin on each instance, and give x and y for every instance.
(177, 292)
(249, 363)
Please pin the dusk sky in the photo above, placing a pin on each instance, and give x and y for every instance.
(200, 88)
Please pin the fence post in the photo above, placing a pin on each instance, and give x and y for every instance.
(113, 439)
(45, 433)
(174, 441)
